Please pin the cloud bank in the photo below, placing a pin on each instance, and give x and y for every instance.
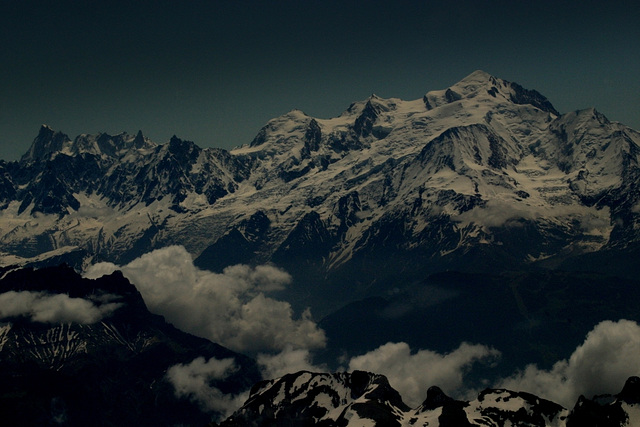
(233, 308)
(413, 373)
(194, 381)
(230, 308)
(52, 308)
(601, 365)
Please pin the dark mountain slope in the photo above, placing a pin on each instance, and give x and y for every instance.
(110, 371)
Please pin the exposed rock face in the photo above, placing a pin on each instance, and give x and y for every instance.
(618, 410)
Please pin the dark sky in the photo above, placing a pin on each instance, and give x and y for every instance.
(215, 72)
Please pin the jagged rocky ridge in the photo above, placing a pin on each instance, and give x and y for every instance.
(101, 371)
(381, 195)
(366, 399)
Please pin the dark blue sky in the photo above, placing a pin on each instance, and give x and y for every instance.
(215, 72)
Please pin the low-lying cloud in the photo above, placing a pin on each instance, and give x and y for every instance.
(53, 308)
(230, 308)
(413, 373)
(601, 365)
(86, 211)
(195, 382)
(504, 214)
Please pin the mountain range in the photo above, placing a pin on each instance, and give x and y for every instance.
(456, 180)
(475, 213)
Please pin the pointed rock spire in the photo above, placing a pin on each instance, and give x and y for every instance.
(435, 398)
(139, 141)
(46, 143)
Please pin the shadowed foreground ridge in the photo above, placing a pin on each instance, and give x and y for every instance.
(363, 399)
(97, 371)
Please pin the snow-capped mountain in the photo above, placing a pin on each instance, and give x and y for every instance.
(391, 189)
(79, 352)
(366, 399)
(306, 398)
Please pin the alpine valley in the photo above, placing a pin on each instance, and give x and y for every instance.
(476, 213)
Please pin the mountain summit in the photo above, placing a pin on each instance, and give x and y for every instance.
(479, 82)
(457, 179)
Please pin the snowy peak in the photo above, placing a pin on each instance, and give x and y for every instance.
(320, 399)
(277, 129)
(480, 80)
(474, 82)
(586, 143)
(364, 124)
(480, 84)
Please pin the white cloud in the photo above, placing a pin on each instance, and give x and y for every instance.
(412, 374)
(52, 308)
(601, 365)
(86, 211)
(497, 213)
(194, 381)
(287, 361)
(229, 308)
